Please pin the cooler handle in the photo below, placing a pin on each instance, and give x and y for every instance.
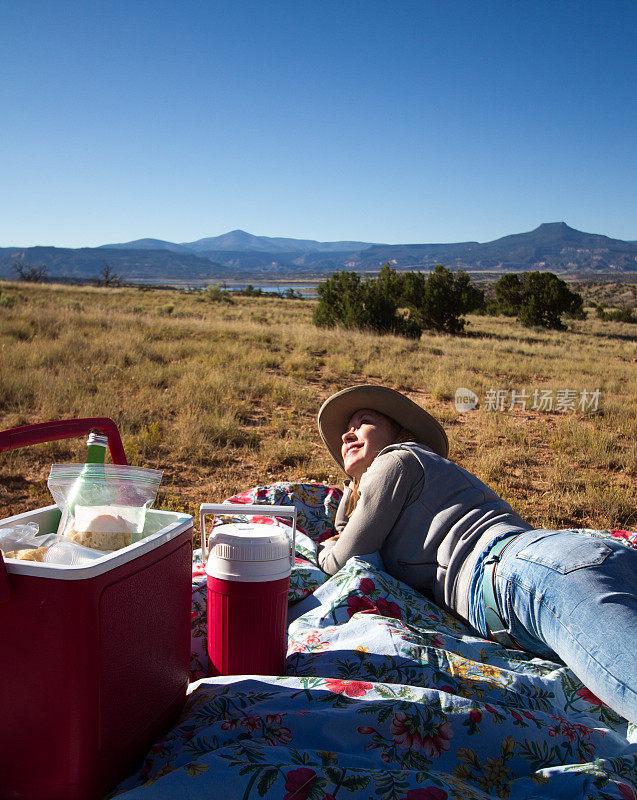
(64, 429)
(236, 509)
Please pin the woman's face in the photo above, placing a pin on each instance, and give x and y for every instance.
(367, 433)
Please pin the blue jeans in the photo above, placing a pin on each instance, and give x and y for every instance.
(574, 596)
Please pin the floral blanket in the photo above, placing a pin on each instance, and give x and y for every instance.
(385, 697)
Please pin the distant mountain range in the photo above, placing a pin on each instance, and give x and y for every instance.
(240, 241)
(239, 255)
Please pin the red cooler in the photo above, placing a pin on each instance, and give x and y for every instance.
(95, 659)
(248, 577)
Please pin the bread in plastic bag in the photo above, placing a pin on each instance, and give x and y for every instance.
(21, 541)
(103, 505)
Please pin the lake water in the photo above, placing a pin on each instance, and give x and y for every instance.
(305, 290)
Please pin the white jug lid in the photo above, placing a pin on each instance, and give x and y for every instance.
(249, 551)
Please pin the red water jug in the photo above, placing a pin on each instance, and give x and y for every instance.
(248, 578)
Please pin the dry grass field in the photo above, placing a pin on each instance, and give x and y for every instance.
(223, 397)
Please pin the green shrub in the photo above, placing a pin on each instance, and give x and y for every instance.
(445, 299)
(508, 295)
(617, 315)
(538, 299)
(399, 303)
(436, 301)
(215, 294)
(345, 299)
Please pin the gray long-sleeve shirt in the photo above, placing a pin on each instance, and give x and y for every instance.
(429, 518)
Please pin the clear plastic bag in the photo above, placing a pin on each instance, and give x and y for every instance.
(103, 506)
(23, 543)
(17, 534)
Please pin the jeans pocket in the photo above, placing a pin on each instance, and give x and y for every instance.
(565, 551)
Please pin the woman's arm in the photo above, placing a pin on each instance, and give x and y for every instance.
(391, 483)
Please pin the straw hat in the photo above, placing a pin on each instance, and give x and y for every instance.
(337, 411)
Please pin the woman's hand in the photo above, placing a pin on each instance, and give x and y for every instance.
(331, 539)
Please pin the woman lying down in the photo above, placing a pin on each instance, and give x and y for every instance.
(445, 533)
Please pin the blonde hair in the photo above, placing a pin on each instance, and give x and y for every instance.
(353, 498)
(403, 435)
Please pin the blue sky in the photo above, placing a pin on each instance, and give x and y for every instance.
(379, 121)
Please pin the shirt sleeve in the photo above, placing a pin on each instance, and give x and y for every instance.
(392, 482)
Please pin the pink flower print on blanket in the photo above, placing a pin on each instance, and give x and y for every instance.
(310, 643)
(315, 504)
(589, 697)
(298, 783)
(367, 605)
(410, 733)
(349, 688)
(432, 793)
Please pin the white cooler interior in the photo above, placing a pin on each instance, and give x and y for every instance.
(159, 527)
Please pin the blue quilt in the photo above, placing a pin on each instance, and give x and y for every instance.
(385, 697)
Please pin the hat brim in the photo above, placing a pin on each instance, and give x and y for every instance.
(337, 411)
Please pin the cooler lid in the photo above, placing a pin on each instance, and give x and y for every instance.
(249, 541)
